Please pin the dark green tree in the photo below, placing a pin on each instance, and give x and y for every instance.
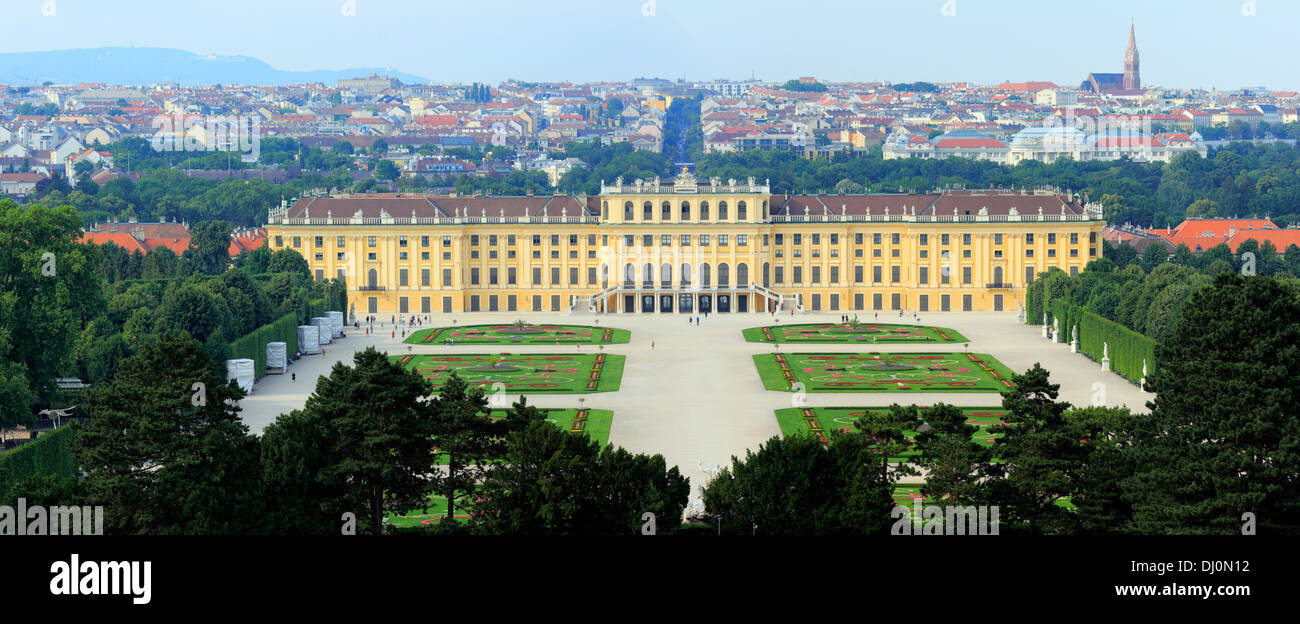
(209, 251)
(799, 486)
(552, 482)
(1038, 457)
(1223, 438)
(466, 440)
(48, 292)
(288, 261)
(166, 452)
(375, 417)
(953, 462)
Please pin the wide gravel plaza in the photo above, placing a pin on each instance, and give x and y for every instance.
(696, 395)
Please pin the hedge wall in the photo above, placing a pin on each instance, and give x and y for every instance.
(1033, 304)
(252, 346)
(50, 454)
(1128, 349)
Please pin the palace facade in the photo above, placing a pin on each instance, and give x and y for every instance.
(689, 246)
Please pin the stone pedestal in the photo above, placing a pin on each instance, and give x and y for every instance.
(1044, 331)
(1105, 363)
(1074, 346)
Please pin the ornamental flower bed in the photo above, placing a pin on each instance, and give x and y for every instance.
(890, 372)
(852, 333)
(522, 373)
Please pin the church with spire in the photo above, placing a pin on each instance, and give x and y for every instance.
(1127, 83)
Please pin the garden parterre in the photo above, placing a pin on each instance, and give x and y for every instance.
(514, 334)
(523, 373)
(869, 333)
(882, 372)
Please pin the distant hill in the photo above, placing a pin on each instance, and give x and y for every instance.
(143, 66)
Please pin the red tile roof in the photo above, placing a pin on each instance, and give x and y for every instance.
(177, 245)
(121, 239)
(1280, 238)
(1207, 233)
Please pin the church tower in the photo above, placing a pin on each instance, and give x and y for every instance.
(1132, 78)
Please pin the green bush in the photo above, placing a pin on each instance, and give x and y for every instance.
(49, 454)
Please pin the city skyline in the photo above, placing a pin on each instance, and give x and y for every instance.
(962, 40)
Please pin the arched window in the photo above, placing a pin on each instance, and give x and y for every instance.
(627, 212)
(724, 275)
(604, 276)
(686, 274)
(742, 275)
(704, 211)
(704, 275)
(629, 275)
(667, 212)
(722, 211)
(741, 211)
(648, 274)
(604, 211)
(686, 211)
(765, 210)
(666, 275)
(647, 211)
(997, 275)
(767, 270)
(373, 278)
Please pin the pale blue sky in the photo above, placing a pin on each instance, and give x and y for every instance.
(1185, 43)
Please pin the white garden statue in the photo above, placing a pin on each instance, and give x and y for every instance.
(1074, 339)
(1105, 356)
(1142, 383)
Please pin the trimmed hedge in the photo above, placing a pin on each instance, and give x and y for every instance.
(49, 454)
(1128, 349)
(253, 345)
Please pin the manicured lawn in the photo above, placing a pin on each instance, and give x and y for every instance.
(899, 372)
(869, 333)
(508, 334)
(524, 373)
(820, 421)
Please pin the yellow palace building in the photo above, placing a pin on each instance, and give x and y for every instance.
(689, 245)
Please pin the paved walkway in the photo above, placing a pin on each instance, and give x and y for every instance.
(696, 396)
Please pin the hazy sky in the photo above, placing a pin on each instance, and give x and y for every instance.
(1185, 43)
